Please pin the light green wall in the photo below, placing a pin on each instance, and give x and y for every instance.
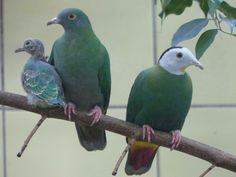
(125, 29)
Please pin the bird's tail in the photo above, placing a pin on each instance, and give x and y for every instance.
(91, 138)
(140, 157)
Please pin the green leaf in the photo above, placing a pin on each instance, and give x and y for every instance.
(213, 5)
(164, 3)
(227, 10)
(174, 7)
(204, 6)
(204, 41)
(189, 30)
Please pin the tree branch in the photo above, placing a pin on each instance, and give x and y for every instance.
(213, 155)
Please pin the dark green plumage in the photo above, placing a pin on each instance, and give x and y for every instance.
(83, 64)
(160, 99)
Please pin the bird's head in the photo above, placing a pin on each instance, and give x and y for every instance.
(72, 19)
(176, 59)
(32, 46)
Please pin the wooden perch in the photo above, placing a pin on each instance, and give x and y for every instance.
(213, 155)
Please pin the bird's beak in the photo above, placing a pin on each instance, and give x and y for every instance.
(19, 50)
(198, 64)
(55, 20)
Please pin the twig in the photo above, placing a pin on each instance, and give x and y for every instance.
(114, 172)
(231, 34)
(26, 142)
(207, 171)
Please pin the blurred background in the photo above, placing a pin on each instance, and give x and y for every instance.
(125, 28)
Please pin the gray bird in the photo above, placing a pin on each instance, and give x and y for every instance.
(40, 81)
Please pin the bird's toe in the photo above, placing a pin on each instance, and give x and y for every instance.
(176, 139)
(96, 114)
(147, 132)
(69, 109)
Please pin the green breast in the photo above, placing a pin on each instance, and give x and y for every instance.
(165, 99)
(78, 63)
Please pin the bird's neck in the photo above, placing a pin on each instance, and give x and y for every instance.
(78, 33)
(172, 69)
(35, 58)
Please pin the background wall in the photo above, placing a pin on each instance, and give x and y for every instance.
(125, 29)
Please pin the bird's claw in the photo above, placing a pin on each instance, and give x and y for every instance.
(176, 139)
(69, 108)
(147, 132)
(96, 113)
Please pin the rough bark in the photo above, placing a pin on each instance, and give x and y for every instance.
(211, 154)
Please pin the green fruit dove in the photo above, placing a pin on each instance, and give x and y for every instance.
(40, 81)
(160, 99)
(83, 63)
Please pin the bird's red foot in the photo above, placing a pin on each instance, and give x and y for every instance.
(176, 139)
(96, 113)
(69, 108)
(147, 132)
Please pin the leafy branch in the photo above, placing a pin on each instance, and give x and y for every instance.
(211, 154)
(217, 11)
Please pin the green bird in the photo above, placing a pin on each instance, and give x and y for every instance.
(83, 63)
(160, 99)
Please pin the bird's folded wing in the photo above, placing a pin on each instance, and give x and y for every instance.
(40, 84)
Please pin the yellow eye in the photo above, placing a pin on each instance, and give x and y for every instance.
(71, 16)
(179, 55)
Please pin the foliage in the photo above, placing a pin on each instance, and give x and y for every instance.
(215, 11)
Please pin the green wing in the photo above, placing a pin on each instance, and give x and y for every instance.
(104, 77)
(135, 102)
(41, 84)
